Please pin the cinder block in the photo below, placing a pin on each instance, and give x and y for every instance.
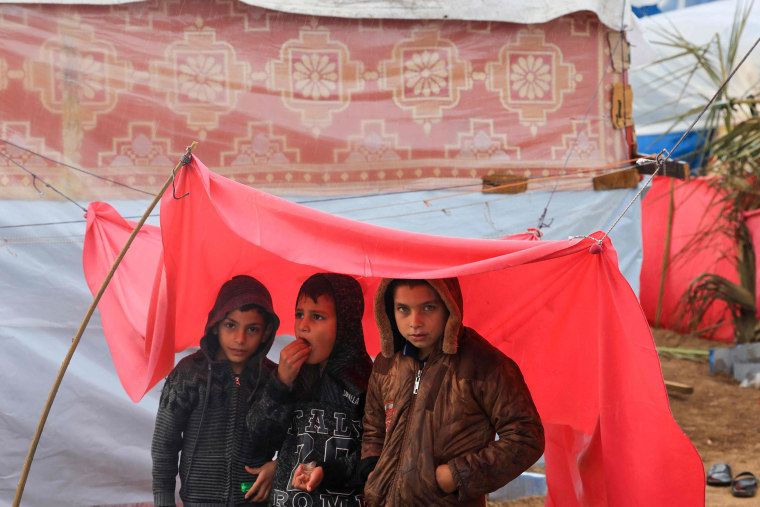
(747, 353)
(745, 370)
(722, 360)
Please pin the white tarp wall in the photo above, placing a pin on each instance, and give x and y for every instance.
(659, 89)
(95, 449)
(613, 13)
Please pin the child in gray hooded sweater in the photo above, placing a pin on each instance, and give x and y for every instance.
(204, 402)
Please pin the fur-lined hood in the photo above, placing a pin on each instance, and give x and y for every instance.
(391, 340)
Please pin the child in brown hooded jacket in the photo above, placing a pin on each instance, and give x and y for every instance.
(438, 395)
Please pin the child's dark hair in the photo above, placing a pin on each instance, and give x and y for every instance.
(390, 292)
(245, 308)
(241, 292)
(315, 286)
(254, 306)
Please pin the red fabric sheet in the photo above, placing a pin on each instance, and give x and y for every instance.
(565, 315)
(140, 361)
(694, 210)
(752, 220)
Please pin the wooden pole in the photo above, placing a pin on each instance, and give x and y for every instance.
(82, 327)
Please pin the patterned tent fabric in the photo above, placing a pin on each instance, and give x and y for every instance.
(311, 104)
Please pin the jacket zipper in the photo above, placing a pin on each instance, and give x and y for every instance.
(406, 430)
(236, 401)
(417, 381)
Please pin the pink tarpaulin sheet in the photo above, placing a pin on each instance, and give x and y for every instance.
(140, 361)
(696, 209)
(752, 220)
(565, 315)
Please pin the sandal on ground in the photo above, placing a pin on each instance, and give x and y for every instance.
(744, 485)
(719, 475)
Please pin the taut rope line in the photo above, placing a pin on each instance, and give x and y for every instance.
(664, 154)
(34, 182)
(69, 166)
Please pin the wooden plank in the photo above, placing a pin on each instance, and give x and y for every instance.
(504, 183)
(620, 51)
(622, 106)
(678, 388)
(624, 178)
(672, 168)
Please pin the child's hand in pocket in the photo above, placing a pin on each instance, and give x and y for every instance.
(445, 479)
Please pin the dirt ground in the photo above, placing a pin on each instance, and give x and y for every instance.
(721, 419)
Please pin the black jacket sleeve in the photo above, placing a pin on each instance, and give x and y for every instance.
(268, 417)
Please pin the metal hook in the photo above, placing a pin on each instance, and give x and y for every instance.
(662, 157)
(174, 190)
(34, 184)
(543, 224)
(186, 159)
(583, 236)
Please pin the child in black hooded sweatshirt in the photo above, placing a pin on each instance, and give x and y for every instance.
(318, 394)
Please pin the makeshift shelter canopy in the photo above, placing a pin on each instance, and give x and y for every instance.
(561, 310)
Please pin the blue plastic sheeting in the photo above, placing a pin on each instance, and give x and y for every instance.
(685, 152)
(643, 8)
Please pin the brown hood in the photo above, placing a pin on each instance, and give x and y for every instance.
(391, 340)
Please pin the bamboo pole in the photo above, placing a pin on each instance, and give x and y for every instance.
(83, 326)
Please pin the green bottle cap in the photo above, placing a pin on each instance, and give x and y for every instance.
(245, 486)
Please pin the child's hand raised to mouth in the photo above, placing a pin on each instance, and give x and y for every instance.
(292, 357)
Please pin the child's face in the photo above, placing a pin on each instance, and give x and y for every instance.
(240, 334)
(421, 316)
(317, 324)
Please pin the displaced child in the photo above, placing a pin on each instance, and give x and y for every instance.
(318, 395)
(438, 394)
(204, 402)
